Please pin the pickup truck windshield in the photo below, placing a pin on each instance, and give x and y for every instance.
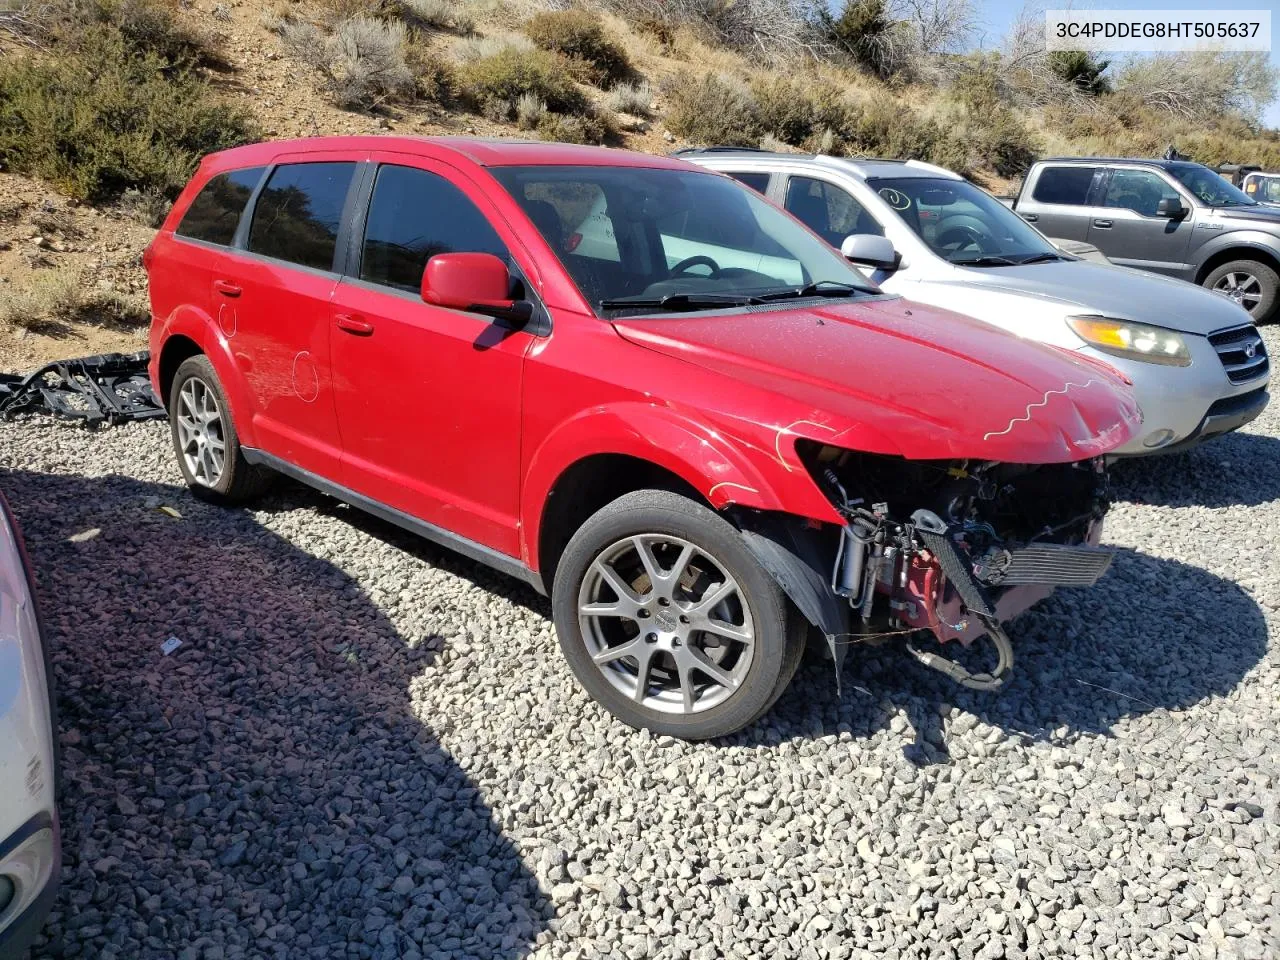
(1211, 189)
(635, 239)
(963, 224)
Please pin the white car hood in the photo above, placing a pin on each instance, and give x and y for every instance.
(1111, 291)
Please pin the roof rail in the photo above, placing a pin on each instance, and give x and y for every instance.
(718, 149)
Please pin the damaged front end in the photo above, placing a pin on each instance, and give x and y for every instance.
(956, 547)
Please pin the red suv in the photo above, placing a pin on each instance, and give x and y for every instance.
(638, 386)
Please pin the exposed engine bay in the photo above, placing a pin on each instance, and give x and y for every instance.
(957, 547)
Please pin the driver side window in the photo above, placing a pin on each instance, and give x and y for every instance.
(1137, 190)
(828, 211)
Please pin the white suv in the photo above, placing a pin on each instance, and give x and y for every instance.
(30, 853)
(1196, 361)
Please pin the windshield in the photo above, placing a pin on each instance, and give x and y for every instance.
(961, 223)
(1212, 190)
(638, 238)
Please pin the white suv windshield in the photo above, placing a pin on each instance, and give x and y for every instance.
(961, 223)
(640, 238)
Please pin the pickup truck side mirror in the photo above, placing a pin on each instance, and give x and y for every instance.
(1172, 208)
(868, 249)
(475, 282)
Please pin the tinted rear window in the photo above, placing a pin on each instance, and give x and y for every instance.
(758, 182)
(1069, 185)
(299, 211)
(215, 212)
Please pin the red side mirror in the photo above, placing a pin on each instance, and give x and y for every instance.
(467, 281)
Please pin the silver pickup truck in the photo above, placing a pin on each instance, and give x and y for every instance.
(1173, 217)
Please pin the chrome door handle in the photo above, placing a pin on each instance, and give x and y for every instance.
(1103, 224)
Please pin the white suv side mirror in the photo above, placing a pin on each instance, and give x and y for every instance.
(870, 250)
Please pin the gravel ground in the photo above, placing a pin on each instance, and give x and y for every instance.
(367, 747)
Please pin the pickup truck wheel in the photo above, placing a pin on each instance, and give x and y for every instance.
(205, 440)
(668, 620)
(1251, 284)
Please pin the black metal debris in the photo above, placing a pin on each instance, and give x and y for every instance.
(110, 388)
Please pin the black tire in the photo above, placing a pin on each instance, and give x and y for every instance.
(239, 480)
(1262, 281)
(778, 637)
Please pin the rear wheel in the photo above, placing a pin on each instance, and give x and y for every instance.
(1253, 285)
(668, 620)
(205, 440)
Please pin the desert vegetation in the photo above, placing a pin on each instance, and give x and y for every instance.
(111, 103)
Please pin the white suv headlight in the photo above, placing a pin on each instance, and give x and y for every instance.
(1137, 341)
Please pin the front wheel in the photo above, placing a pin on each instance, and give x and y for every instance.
(1253, 285)
(668, 620)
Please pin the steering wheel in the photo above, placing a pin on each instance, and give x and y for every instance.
(964, 237)
(699, 261)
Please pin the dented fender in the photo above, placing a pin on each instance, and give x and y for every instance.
(201, 329)
(722, 468)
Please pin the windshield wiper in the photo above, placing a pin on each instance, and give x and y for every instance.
(1040, 258)
(819, 288)
(986, 261)
(680, 301)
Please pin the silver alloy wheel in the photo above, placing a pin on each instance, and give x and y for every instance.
(666, 624)
(1244, 288)
(201, 436)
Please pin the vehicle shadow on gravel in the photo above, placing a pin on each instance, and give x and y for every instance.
(1239, 468)
(264, 791)
(1153, 634)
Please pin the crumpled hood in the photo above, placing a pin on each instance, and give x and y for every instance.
(1107, 290)
(892, 376)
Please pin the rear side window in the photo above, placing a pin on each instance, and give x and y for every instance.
(759, 182)
(413, 216)
(299, 211)
(828, 211)
(1066, 185)
(215, 212)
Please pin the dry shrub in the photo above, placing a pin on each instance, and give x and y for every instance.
(362, 63)
(530, 109)
(633, 98)
(50, 301)
(148, 207)
(581, 128)
(500, 79)
(479, 48)
(713, 109)
(438, 15)
(579, 36)
(773, 29)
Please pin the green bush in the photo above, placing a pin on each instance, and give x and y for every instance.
(713, 109)
(894, 132)
(103, 118)
(502, 78)
(579, 36)
(1002, 141)
(795, 111)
